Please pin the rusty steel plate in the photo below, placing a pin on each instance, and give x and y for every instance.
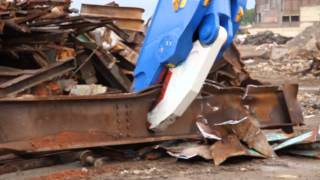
(273, 106)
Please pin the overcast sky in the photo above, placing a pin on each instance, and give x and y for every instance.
(148, 5)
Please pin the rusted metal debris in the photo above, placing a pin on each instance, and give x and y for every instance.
(265, 104)
(23, 82)
(16, 164)
(70, 77)
(46, 34)
(125, 18)
(91, 121)
(236, 138)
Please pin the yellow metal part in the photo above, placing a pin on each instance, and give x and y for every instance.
(176, 4)
(171, 66)
(179, 4)
(240, 14)
(183, 3)
(206, 2)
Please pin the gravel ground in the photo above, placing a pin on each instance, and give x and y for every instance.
(168, 168)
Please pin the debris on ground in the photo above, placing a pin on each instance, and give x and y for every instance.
(298, 59)
(266, 37)
(308, 38)
(70, 75)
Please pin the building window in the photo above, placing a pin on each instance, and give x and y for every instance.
(295, 18)
(259, 18)
(285, 19)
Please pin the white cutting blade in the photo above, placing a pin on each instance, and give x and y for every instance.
(186, 82)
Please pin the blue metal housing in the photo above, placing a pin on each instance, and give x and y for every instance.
(172, 33)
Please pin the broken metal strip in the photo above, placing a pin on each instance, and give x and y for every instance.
(111, 12)
(7, 71)
(277, 136)
(35, 38)
(106, 65)
(131, 25)
(24, 82)
(88, 73)
(305, 138)
(126, 52)
(290, 92)
(304, 153)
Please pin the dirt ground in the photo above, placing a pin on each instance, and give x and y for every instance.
(241, 169)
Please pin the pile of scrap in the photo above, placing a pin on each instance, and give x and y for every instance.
(48, 51)
(226, 120)
(82, 67)
(244, 139)
(297, 59)
(308, 38)
(266, 37)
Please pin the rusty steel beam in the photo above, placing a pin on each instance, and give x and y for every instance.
(127, 18)
(23, 82)
(111, 11)
(60, 123)
(71, 122)
(83, 122)
(129, 24)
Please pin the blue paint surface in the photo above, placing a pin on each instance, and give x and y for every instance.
(171, 35)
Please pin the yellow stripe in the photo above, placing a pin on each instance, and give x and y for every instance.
(183, 3)
(240, 14)
(206, 2)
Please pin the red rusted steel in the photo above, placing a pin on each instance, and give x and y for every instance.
(60, 123)
(271, 106)
(67, 122)
(274, 107)
(25, 81)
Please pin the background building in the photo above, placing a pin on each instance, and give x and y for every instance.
(286, 12)
(287, 17)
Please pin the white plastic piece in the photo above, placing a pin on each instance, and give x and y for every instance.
(186, 82)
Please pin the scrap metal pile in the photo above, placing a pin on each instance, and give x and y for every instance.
(46, 50)
(69, 77)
